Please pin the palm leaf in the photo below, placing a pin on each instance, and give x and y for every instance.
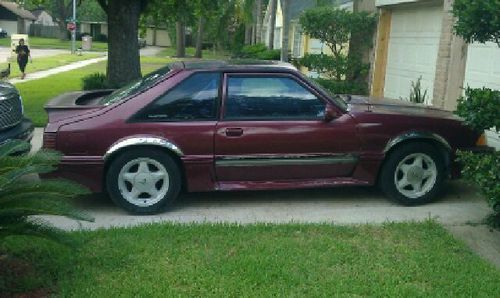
(22, 198)
(13, 147)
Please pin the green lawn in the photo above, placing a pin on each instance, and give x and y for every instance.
(38, 92)
(44, 63)
(54, 43)
(166, 260)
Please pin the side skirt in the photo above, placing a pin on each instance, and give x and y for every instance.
(290, 184)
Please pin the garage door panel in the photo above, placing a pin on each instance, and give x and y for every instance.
(412, 51)
(483, 66)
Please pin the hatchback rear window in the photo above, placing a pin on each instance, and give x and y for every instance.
(135, 87)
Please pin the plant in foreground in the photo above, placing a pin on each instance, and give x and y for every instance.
(480, 109)
(22, 196)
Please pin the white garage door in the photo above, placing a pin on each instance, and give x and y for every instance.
(413, 49)
(483, 70)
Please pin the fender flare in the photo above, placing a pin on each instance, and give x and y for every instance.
(413, 135)
(142, 141)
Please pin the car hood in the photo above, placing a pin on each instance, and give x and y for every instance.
(392, 106)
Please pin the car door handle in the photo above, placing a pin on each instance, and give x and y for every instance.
(234, 132)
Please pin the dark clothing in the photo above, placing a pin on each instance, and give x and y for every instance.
(22, 52)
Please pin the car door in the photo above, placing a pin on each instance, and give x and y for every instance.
(273, 127)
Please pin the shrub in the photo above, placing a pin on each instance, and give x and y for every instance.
(343, 87)
(95, 81)
(480, 108)
(483, 170)
(22, 197)
(258, 51)
(101, 37)
(269, 55)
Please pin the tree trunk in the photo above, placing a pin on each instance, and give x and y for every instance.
(123, 47)
(285, 31)
(180, 48)
(62, 15)
(258, 22)
(248, 34)
(199, 38)
(272, 22)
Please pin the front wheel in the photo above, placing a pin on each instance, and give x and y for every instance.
(143, 181)
(413, 174)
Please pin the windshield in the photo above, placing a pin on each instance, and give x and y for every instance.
(135, 87)
(336, 98)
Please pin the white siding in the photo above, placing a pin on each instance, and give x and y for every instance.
(483, 70)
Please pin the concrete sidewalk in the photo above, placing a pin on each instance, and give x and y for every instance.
(147, 51)
(45, 73)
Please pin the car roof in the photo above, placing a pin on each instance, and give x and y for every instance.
(235, 64)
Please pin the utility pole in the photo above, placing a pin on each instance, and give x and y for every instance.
(73, 32)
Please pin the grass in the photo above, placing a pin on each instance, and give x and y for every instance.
(44, 63)
(38, 92)
(256, 261)
(54, 43)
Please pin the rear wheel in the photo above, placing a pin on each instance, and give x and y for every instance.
(143, 181)
(413, 174)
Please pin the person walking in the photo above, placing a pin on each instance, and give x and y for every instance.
(23, 53)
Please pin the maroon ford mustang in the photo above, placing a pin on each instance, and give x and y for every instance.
(204, 126)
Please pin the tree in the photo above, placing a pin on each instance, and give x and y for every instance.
(272, 26)
(334, 27)
(286, 30)
(258, 21)
(204, 10)
(175, 13)
(123, 46)
(477, 20)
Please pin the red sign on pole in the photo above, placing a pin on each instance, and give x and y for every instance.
(71, 26)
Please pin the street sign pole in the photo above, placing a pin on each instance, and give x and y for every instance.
(73, 32)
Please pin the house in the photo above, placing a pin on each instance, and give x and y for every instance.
(94, 28)
(157, 36)
(301, 43)
(415, 39)
(15, 19)
(43, 17)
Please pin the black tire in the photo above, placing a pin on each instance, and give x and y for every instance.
(387, 179)
(133, 155)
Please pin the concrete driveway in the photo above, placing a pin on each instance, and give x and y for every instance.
(351, 205)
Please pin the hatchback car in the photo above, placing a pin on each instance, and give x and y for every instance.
(205, 126)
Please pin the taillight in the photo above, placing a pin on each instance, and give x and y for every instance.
(49, 140)
(481, 141)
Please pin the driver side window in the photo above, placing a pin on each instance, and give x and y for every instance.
(270, 98)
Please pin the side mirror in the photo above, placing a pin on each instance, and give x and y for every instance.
(330, 113)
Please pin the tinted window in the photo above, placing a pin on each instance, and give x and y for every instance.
(270, 98)
(195, 98)
(136, 86)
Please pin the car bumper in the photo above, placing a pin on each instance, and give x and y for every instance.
(23, 131)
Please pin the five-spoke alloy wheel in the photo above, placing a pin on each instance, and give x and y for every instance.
(143, 181)
(413, 174)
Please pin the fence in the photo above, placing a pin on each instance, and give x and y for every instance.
(46, 31)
